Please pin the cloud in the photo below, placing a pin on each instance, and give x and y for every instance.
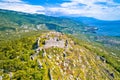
(12, 1)
(107, 11)
(100, 9)
(18, 5)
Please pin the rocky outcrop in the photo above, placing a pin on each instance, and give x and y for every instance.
(1, 77)
(44, 53)
(37, 50)
(37, 43)
(49, 74)
(70, 60)
(54, 42)
(39, 64)
(64, 54)
(111, 74)
(102, 59)
(32, 57)
(10, 75)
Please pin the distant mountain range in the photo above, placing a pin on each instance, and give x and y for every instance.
(109, 28)
(11, 20)
(77, 24)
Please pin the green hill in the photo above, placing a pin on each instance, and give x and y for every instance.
(33, 56)
(39, 47)
(11, 20)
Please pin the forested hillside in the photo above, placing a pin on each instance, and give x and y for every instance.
(39, 47)
(32, 56)
(11, 20)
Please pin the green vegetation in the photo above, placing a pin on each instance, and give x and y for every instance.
(15, 59)
(101, 50)
(15, 21)
(81, 58)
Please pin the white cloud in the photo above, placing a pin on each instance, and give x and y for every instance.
(18, 5)
(11, 0)
(90, 2)
(69, 4)
(89, 8)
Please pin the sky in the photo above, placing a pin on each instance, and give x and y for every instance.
(100, 9)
